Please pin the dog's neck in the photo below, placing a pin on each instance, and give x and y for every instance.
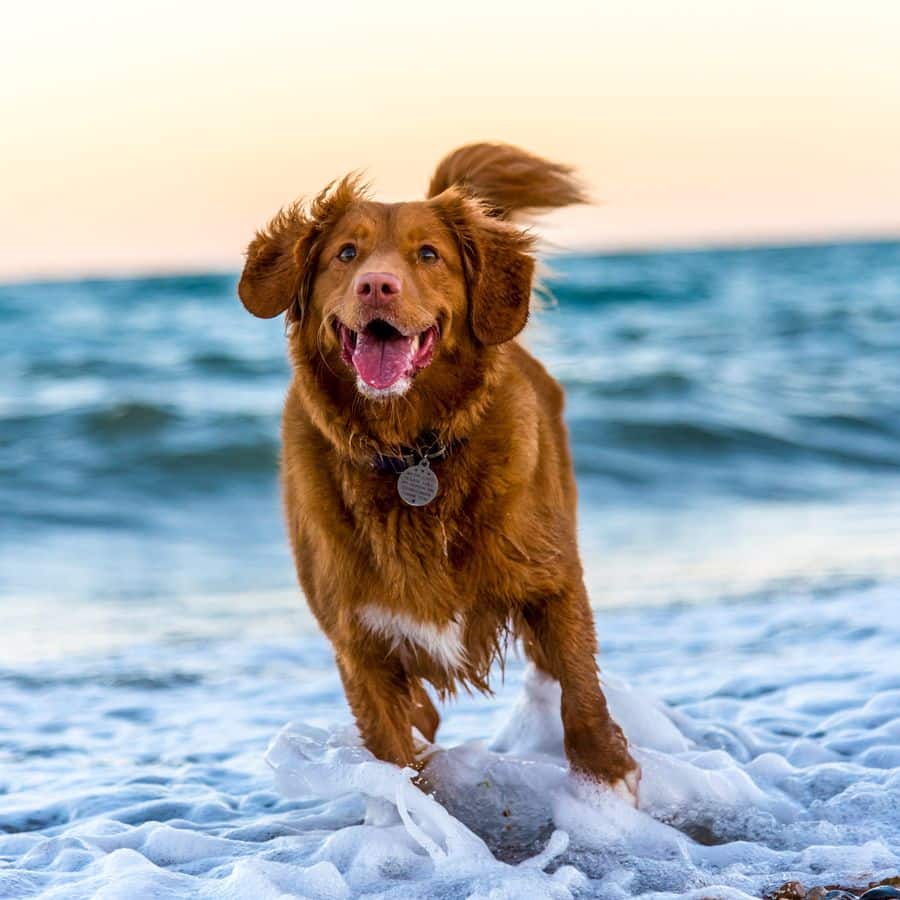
(438, 414)
(427, 447)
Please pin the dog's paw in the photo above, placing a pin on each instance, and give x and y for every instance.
(597, 785)
(626, 788)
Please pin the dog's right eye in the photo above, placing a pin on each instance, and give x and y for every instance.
(347, 253)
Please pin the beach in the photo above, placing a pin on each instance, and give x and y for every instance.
(171, 720)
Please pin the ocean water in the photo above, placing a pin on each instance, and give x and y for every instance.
(735, 422)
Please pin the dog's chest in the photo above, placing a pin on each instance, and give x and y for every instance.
(444, 643)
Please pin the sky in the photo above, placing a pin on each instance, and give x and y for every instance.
(142, 137)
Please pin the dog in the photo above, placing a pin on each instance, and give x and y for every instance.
(427, 481)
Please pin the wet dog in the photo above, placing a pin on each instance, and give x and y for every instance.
(428, 485)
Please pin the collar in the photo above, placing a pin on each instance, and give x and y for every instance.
(427, 447)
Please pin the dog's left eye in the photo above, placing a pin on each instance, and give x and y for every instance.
(347, 253)
(428, 254)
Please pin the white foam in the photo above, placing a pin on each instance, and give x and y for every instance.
(768, 734)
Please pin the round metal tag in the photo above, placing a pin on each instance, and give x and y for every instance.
(418, 485)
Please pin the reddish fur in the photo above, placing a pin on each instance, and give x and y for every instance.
(508, 179)
(497, 546)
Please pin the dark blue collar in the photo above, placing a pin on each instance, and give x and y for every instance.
(427, 448)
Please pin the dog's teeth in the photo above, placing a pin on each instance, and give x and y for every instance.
(414, 343)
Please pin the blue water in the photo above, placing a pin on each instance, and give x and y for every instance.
(735, 418)
(742, 401)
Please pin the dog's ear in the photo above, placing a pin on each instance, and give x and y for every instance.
(500, 283)
(281, 259)
(276, 257)
(498, 262)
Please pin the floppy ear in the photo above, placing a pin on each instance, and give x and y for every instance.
(280, 267)
(276, 258)
(499, 281)
(498, 263)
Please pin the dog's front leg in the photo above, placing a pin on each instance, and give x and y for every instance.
(380, 696)
(560, 640)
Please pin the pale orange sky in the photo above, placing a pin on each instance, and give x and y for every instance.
(144, 137)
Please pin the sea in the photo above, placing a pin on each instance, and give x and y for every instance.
(171, 721)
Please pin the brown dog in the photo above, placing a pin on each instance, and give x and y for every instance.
(401, 322)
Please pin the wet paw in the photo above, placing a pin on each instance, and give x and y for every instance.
(627, 787)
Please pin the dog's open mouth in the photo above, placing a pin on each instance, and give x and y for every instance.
(381, 354)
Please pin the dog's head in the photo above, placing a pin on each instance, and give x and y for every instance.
(391, 295)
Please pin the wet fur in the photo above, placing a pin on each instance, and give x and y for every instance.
(496, 550)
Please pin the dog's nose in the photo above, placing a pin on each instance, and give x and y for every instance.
(377, 287)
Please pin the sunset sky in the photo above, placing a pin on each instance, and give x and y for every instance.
(148, 137)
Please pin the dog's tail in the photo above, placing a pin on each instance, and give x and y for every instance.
(508, 180)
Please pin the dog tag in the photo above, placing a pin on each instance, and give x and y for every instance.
(418, 485)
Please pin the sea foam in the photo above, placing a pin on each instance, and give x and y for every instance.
(768, 732)
(705, 819)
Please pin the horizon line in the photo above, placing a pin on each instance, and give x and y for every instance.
(547, 248)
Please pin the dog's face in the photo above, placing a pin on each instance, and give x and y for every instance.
(390, 290)
(390, 295)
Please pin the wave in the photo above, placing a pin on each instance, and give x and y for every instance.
(705, 377)
(126, 419)
(708, 440)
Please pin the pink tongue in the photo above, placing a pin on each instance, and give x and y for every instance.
(381, 363)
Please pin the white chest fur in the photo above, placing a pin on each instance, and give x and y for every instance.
(443, 643)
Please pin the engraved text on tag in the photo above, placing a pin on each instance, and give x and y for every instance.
(418, 485)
